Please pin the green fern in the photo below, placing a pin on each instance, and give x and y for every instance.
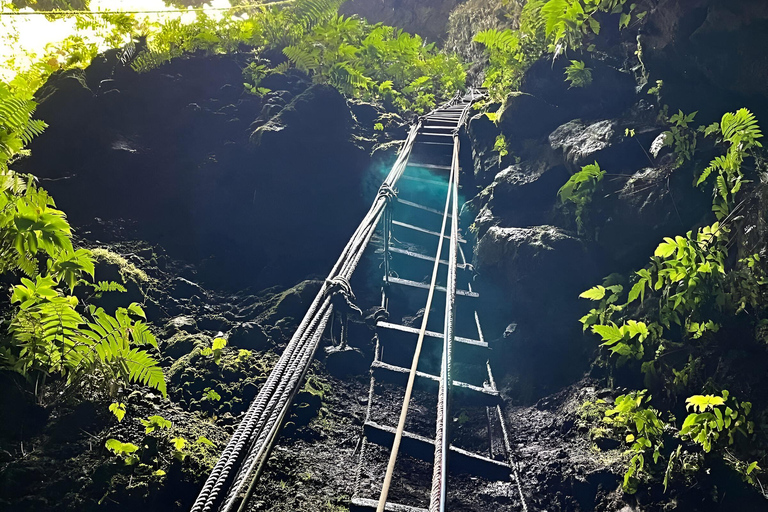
(110, 343)
(149, 60)
(310, 13)
(741, 128)
(504, 41)
(281, 68)
(347, 79)
(304, 60)
(17, 128)
(107, 286)
(579, 190)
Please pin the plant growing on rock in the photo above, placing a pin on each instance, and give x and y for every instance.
(547, 26)
(578, 74)
(681, 312)
(741, 132)
(49, 334)
(642, 428)
(377, 62)
(578, 191)
(715, 418)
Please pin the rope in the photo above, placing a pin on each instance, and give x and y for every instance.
(414, 364)
(388, 192)
(195, 9)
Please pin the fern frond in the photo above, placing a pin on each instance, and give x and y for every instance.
(347, 78)
(34, 128)
(705, 174)
(552, 13)
(493, 39)
(741, 127)
(107, 286)
(302, 59)
(313, 12)
(143, 369)
(149, 60)
(281, 68)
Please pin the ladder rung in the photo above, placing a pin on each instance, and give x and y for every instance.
(423, 448)
(429, 166)
(364, 504)
(479, 395)
(418, 255)
(431, 334)
(421, 207)
(427, 134)
(422, 180)
(422, 230)
(425, 286)
(438, 127)
(435, 143)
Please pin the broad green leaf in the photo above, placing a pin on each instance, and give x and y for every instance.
(594, 293)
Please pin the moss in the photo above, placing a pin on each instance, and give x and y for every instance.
(128, 271)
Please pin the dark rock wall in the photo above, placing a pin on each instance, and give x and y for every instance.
(428, 19)
(531, 258)
(168, 152)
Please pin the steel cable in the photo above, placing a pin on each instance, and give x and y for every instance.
(260, 425)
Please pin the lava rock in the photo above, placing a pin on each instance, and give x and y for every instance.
(249, 335)
(344, 362)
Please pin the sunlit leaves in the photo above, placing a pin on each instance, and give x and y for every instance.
(594, 293)
(701, 403)
(118, 409)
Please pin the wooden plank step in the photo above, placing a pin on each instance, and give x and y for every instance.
(432, 334)
(476, 395)
(366, 505)
(423, 448)
(422, 230)
(425, 286)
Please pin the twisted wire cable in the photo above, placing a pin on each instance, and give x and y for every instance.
(260, 425)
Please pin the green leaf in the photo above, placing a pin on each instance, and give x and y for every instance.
(610, 333)
(118, 409)
(594, 293)
(666, 248)
(204, 441)
(120, 448)
(701, 403)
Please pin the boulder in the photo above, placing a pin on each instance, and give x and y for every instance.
(709, 54)
(429, 19)
(249, 335)
(521, 195)
(611, 92)
(317, 116)
(536, 264)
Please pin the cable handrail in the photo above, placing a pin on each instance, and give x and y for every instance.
(244, 456)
